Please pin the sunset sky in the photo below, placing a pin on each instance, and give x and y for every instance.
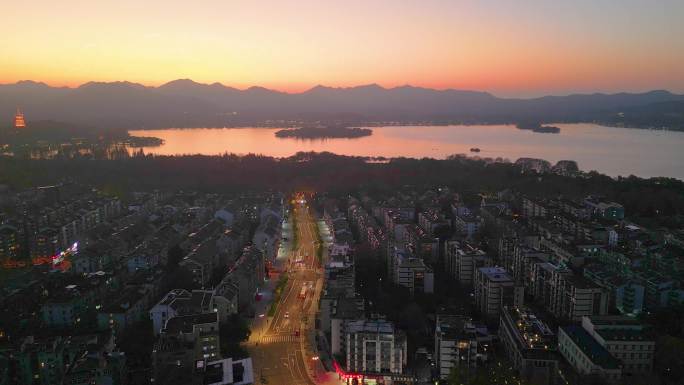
(508, 47)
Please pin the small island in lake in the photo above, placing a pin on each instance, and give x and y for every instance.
(538, 127)
(323, 132)
(144, 141)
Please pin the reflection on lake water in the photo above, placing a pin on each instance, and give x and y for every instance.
(610, 150)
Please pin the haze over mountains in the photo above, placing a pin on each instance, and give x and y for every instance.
(184, 103)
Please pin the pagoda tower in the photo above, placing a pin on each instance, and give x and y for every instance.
(19, 122)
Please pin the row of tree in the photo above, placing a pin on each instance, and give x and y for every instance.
(658, 200)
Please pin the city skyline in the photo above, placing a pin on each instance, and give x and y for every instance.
(503, 47)
(368, 192)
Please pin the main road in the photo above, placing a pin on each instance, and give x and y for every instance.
(281, 346)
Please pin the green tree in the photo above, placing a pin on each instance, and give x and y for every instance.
(137, 341)
(494, 373)
(173, 257)
(180, 278)
(232, 334)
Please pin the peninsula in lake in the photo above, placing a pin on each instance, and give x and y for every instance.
(324, 132)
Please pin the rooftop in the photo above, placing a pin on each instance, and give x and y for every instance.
(531, 332)
(185, 324)
(171, 296)
(370, 326)
(625, 335)
(580, 282)
(451, 326)
(590, 347)
(348, 308)
(125, 300)
(228, 372)
(496, 274)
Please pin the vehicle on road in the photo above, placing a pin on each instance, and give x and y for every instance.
(287, 314)
(302, 293)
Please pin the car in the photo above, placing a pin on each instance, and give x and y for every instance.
(287, 314)
(296, 333)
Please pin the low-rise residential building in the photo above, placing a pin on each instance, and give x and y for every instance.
(37, 361)
(224, 372)
(185, 341)
(225, 299)
(64, 308)
(586, 356)
(534, 208)
(79, 359)
(248, 273)
(626, 339)
(340, 274)
(603, 209)
(431, 220)
(267, 236)
(467, 225)
(98, 368)
(179, 302)
(125, 309)
(201, 261)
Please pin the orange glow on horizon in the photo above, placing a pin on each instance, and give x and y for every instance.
(504, 47)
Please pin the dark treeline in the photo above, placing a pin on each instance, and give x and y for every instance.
(643, 198)
(57, 132)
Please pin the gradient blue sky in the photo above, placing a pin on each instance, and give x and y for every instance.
(508, 47)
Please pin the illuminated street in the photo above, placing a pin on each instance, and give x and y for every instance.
(281, 344)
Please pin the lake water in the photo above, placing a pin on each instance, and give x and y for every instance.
(609, 150)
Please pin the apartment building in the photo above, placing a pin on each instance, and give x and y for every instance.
(374, 347)
(462, 259)
(495, 288)
(585, 355)
(626, 339)
(530, 345)
(459, 343)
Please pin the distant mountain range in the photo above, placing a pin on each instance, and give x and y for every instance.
(185, 103)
